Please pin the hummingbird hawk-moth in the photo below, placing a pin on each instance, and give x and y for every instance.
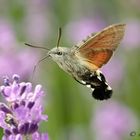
(84, 60)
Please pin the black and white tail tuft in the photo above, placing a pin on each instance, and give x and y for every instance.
(98, 84)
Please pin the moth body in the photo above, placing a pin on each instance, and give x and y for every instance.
(93, 79)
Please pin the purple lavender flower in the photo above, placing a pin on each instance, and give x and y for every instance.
(113, 121)
(21, 115)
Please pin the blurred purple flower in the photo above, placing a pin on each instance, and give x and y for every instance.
(21, 62)
(21, 115)
(132, 33)
(37, 21)
(78, 30)
(13, 60)
(114, 71)
(113, 121)
(7, 37)
(37, 28)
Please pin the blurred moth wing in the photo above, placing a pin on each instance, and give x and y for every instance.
(98, 49)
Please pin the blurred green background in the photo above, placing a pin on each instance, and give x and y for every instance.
(73, 113)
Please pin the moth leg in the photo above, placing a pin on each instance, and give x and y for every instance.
(81, 82)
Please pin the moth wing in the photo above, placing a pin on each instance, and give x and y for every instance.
(98, 49)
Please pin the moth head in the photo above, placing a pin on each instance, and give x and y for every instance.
(58, 53)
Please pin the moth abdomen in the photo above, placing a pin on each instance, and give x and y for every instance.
(98, 84)
(102, 92)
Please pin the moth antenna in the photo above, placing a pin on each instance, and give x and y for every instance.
(35, 66)
(59, 37)
(33, 46)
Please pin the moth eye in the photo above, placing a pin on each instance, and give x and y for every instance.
(59, 53)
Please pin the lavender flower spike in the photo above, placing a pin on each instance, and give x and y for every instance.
(21, 115)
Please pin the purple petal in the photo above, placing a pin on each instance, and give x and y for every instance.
(5, 108)
(6, 81)
(33, 128)
(7, 132)
(16, 78)
(22, 90)
(6, 91)
(30, 105)
(15, 131)
(26, 127)
(22, 129)
(28, 87)
(18, 137)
